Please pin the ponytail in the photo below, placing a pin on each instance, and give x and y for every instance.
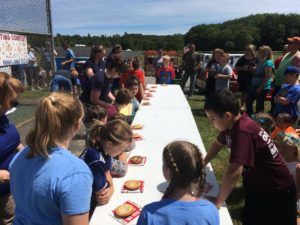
(116, 131)
(55, 119)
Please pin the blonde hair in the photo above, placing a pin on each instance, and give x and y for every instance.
(55, 118)
(252, 49)
(266, 52)
(166, 57)
(10, 87)
(116, 131)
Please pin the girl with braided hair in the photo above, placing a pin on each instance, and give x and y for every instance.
(181, 203)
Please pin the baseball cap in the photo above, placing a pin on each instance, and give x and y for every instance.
(292, 70)
(294, 39)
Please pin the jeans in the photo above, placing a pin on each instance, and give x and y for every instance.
(31, 75)
(59, 81)
(252, 95)
(192, 76)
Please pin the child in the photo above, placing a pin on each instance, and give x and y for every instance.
(270, 196)
(133, 87)
(289, 146)
(181, 203)
(289, 94)
(166, 73)
(94, 112)
(284, 123)
(119, 163)
(123, 98)
(107, 141)
(48, 182)
(265, 121)
(224, 73)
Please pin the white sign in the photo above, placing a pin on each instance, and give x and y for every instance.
(13, 49)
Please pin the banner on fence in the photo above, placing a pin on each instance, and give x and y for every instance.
(13, 49)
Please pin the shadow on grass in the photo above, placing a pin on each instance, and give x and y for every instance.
(198, 112)
(235, 203)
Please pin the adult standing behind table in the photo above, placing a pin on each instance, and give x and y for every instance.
(191, 63)
(10, 89)
(69, 61)
(211, 69)
(66, 80)
(261, 81)
(49, 184)
(293, 48)
(115, 51)
(245, 68)
(97, 90)
(31, 70)
(96, 63)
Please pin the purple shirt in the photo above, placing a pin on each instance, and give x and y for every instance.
(251, 146)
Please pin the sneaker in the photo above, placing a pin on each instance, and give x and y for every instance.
(40, 88)
(31, 89)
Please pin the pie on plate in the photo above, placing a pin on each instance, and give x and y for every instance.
(137, 126)
(124, 210)
(136, 136)
(132, 184)
(136, 159)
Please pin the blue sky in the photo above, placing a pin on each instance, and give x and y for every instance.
(99, 17)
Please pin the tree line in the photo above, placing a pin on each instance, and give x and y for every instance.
(233, 35)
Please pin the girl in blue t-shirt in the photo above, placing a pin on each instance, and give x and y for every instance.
(181, 203)
(106, 141)
(48, 183)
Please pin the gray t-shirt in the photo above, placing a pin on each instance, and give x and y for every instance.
(221, 83)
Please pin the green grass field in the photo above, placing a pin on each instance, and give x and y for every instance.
(208, 134)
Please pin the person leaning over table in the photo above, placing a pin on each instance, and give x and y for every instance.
(49, 184)
(10, 89)
(97, 90)
(270, 195)
(106, 141)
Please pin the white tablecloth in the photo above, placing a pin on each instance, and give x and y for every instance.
(168, 118)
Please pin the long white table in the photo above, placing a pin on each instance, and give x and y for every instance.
(168, 118)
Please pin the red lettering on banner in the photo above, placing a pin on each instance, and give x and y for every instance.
(5, 37)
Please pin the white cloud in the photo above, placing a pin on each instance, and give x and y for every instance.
(154, 17)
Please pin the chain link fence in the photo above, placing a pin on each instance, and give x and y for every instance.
(32, 19)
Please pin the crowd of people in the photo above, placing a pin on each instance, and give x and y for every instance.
(44, 183)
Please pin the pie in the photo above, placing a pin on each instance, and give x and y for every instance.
(146, 103)
(137, 126)
(136, 136)
(124, 210)
(132, 184)
(136, 159)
